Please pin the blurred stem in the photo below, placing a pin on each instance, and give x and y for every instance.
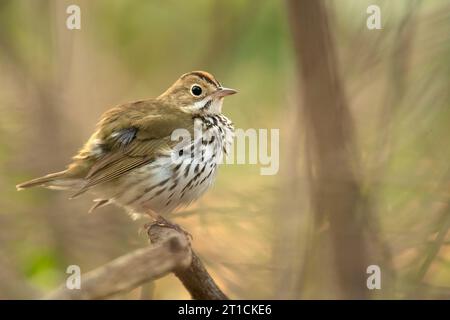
(330, 144)
(399, 64)
(434, 248)
(397, 77)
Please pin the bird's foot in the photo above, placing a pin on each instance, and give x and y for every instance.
(161, 222)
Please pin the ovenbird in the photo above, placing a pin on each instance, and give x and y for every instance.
(129, 159)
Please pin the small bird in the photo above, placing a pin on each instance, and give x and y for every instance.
(131, 160)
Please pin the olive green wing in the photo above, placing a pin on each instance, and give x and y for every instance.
(132, 143)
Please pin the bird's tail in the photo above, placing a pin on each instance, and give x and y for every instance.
(57, 180)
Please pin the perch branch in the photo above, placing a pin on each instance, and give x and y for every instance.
(170, 251)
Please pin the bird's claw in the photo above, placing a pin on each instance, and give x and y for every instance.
(166, 224)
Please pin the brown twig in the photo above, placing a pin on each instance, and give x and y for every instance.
(170, 251)
(195, 278)
(198, 282)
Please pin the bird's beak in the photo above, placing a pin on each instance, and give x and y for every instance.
(223, 92)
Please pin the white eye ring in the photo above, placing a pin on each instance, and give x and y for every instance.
(196, 90)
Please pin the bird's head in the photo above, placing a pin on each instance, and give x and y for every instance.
(197, 92)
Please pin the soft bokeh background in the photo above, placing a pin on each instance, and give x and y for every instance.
(55, 83)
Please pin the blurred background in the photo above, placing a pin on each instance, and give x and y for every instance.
(363, 116)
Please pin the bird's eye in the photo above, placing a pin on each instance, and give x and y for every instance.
(196, 90)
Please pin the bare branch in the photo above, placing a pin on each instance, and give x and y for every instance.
(129, 271)
(195, 278)
(198, 282)
(170, 251)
